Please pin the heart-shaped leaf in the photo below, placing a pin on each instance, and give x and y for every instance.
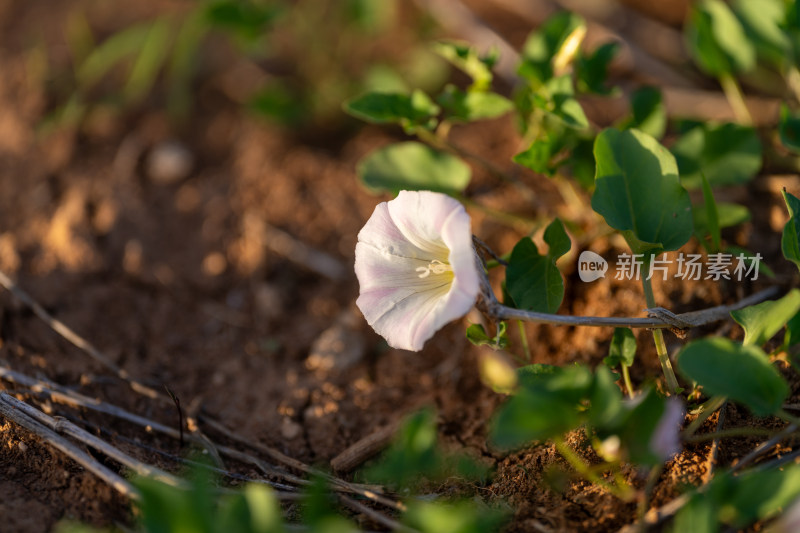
(638, 192)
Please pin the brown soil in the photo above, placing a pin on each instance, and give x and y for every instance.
(179, 283)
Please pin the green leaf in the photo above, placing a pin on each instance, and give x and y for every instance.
(149, 61)
(415, 167)
(551, 47)
(728, 154)
(728, 215)
(537, 156)
(605, 398)
(762, 321)
(592, 70)
(638, 429)
(461, 517)
(739, 500)
(247, 20)
(406, 109)
(743, 373)
(562, 103)
(466, 58)
(712, 215)
(532, 280)
(112, 51)
(649, 114)
(717, 40)
(473, 105)
(622, 349)
(638, 192)
(762, 22)
(413, 453)
(557, 239)
(790, 239)
(749, 257)
(530, 374)
(478, 336)
(789, 129)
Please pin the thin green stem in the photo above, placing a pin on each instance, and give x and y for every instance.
(658, 335)
(626, 377)
(576, 462)
(735, 97)
(523, 337)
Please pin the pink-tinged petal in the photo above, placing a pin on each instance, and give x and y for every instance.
(665, 441)
(401, 238)
(420, 216)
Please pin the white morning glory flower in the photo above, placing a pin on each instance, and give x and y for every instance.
(416, 267)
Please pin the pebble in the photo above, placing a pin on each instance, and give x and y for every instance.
(169, 162)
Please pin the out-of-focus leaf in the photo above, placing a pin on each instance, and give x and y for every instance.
(622, 349)
(717, 40)
(789, 129)
(415, 167)
(649, 114)
(593, 70)
(762, 22)
(728, 154)
(473, 105)
(466, 58)
(549, 49)
(743, 373)
(406, 109)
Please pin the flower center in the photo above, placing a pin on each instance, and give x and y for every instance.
(435, 267)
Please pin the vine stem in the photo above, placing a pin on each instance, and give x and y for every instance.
(658, 335)
(659, 318)
(524, 340)
(736, 99)
(626, 377)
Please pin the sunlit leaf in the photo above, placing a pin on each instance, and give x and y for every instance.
(473, 105)
(763, 320)
(743, 373)
(638, 192)
(717, 40)
(413, 166)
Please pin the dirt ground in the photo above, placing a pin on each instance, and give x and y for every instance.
(187, 283)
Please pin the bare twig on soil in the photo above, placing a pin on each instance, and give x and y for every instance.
(65, 395)
(299, 252)
(355, 455)
(10, 410)
(81, 343)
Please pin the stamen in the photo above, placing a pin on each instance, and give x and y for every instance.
(435, 266)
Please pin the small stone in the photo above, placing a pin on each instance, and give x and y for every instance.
(169, 162)
(339, 347)
(290, 429)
